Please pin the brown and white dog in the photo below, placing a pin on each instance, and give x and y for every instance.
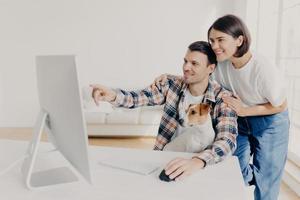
(198, 133)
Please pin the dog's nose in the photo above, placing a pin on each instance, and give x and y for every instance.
(181, 121)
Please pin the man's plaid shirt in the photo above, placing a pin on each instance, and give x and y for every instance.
(224, 119)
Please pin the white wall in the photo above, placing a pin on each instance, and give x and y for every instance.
(119, 43)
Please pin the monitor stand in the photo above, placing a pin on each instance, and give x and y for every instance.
(44, 178)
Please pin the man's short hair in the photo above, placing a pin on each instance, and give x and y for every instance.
(204, 48)
(234, 26)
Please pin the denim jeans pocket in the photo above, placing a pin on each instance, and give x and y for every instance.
(276, 119)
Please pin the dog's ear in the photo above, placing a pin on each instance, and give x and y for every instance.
(204, 108)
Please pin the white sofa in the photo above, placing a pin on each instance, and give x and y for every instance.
(107, 120)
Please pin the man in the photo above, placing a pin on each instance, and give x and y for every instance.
(176, 95)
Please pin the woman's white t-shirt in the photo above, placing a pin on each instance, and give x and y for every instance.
(257, 82)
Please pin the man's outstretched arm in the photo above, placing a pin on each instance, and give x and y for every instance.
(149, 96)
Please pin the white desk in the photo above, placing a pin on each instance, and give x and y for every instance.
(221, 181)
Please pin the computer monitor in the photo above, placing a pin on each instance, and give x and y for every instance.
(62, 116)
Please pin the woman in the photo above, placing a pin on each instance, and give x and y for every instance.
(260, 103)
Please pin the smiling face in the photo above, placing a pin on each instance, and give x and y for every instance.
(196, 68)
(224, 45)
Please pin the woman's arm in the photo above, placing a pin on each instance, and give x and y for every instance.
(263, 109)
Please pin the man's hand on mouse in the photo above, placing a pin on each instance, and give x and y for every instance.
(179, 168)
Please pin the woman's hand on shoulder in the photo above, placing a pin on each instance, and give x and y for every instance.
(236, 104)
(162, 80)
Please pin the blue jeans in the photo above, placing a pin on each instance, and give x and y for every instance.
(266, 139)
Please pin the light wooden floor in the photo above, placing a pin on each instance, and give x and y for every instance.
(130, 142)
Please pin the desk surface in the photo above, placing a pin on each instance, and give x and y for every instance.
(220, 181)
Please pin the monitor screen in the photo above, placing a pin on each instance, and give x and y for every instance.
(61, 113)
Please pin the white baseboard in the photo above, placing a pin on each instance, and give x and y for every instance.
(291, 176)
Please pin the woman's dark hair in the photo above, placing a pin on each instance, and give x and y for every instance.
(204, 48)
(234, 26)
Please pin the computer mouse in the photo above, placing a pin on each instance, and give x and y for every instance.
(164, 177)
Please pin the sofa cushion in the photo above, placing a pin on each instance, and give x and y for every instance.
(123, 116)
(95, 117)
(150, 115)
